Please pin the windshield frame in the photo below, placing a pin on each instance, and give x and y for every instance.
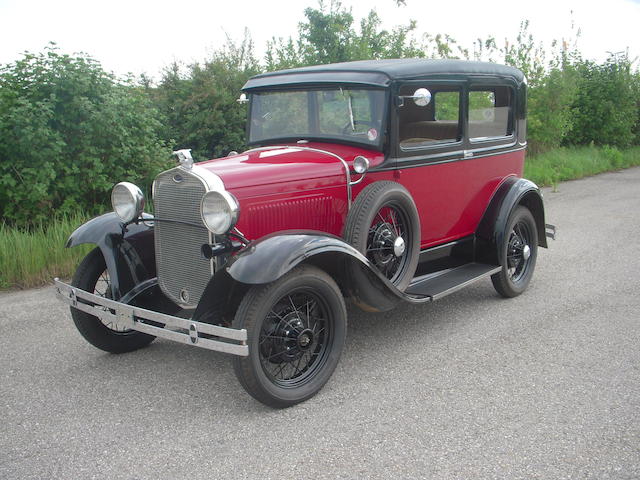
(384, 121)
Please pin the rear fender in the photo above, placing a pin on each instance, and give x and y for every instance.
(512, 192)
(271, 257)
(128, 250)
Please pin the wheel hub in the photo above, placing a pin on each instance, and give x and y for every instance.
(384, 243)
(518, 253)
(290, 338)
(399, 247)
(305, 339)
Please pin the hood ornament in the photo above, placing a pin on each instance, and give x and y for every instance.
(184, 158)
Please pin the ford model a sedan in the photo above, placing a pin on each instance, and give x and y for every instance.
(376, 181)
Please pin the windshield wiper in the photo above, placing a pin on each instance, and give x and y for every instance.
(351, 122)
(353, 126)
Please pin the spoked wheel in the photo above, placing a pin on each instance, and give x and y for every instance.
(92, 276)
(519, 252)
(296, 331)
(102, 288)
(386, 245)
(383, 225)
(294, 338)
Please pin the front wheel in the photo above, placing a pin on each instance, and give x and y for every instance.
(92, 276)
(518, 253)
(296, 328)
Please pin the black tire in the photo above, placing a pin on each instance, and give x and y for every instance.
(296, 328)
(518, 254)
(372, 234)
(92, 276)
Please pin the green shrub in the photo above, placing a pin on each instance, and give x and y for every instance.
(605, 111)
(68, 132)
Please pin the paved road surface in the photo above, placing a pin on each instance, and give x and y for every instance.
(545, 386)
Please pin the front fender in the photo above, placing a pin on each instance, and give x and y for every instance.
(128, 250)
(271, 257)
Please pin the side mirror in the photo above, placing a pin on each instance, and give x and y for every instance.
(421, 97)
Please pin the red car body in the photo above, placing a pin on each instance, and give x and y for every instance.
(278, 187)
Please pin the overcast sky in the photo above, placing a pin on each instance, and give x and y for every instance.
(144, 36)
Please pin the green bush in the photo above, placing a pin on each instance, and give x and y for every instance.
(68, 132)
(200, 107)
(605, 110)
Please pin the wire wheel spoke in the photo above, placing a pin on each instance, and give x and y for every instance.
(293, 339)
(102, 288)
(519, 240)
(389, 223)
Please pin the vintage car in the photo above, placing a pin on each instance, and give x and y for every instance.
(379, 182)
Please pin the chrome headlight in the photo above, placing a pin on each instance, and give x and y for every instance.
(127, 201)
(219, 211)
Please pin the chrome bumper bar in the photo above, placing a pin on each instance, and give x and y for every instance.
(135, 318)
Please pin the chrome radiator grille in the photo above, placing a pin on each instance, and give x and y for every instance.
(182, 271)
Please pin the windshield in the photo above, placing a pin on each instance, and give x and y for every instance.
(337, 113)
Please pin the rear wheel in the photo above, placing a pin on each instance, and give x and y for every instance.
(519, 253)
(296, 329)
(93, 277)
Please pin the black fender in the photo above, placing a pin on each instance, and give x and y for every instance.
(128, 250)
(271, 257)
(512, 192)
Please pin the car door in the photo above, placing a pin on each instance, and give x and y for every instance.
(452, 153)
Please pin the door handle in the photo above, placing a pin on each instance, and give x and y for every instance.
(467, 154)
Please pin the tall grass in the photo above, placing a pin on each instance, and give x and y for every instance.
(32, 258)
(560, 164)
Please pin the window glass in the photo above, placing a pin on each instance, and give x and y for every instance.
(336, 113)
(280, 112)
(335, 116)
(434, 124)
(489, 112)
(447, 105)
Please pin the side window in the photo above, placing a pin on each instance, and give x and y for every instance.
(490, 113)
(447, 106)
(434, 124)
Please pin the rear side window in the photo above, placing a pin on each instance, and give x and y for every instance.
(437, 123)
(447, 106)
(490, 113)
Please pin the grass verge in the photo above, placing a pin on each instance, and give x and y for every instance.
(32, 258)
(558, 165)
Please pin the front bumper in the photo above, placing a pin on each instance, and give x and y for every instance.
(198, 334)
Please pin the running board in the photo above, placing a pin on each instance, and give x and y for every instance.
(440, 284)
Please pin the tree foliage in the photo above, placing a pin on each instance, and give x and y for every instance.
(68, 132)
(551, 83)
(328, 35)
(605, 110)
(200, 106)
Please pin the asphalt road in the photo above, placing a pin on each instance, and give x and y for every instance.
(544, 386)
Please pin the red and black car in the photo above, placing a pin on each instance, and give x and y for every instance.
(375, 181)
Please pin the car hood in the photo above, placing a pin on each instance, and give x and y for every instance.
(286, 165)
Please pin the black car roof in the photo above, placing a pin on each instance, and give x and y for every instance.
(378, 72)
